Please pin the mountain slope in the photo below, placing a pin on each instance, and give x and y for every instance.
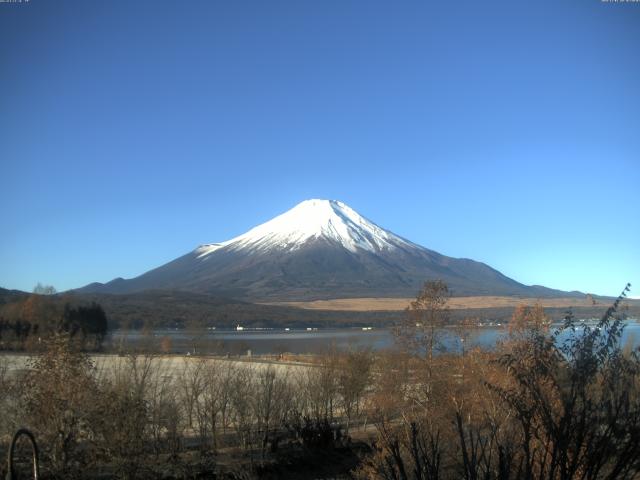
(319, 249)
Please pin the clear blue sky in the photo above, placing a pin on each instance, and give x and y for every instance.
(503, 131)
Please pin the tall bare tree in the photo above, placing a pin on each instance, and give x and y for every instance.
(420, 332)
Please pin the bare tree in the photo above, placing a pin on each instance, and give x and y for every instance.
(270, 403)
(241, 394)
(320, 388)
(59, 393)
(421, 330)
(191, 384)
(527, 322)
(125, 419)
(165, 413)
(41, 289)
(216, 397)
(353, 379)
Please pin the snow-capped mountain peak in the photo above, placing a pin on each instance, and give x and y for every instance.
(313, 219)
(320, 249)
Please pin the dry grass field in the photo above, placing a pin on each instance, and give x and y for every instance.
(456, 303)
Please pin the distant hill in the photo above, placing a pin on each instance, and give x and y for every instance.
(320, 249)
(7, 296)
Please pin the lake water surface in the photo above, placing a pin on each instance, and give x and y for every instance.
(272, 341)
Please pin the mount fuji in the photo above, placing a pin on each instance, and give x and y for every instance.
(320, 249)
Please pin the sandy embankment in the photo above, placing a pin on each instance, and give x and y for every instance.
(169, 365)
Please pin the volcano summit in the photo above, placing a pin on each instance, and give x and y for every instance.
(320, 249)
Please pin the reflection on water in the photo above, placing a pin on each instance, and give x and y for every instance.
(303, 341)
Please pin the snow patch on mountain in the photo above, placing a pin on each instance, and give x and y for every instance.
(313, 219)
(208, 248)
